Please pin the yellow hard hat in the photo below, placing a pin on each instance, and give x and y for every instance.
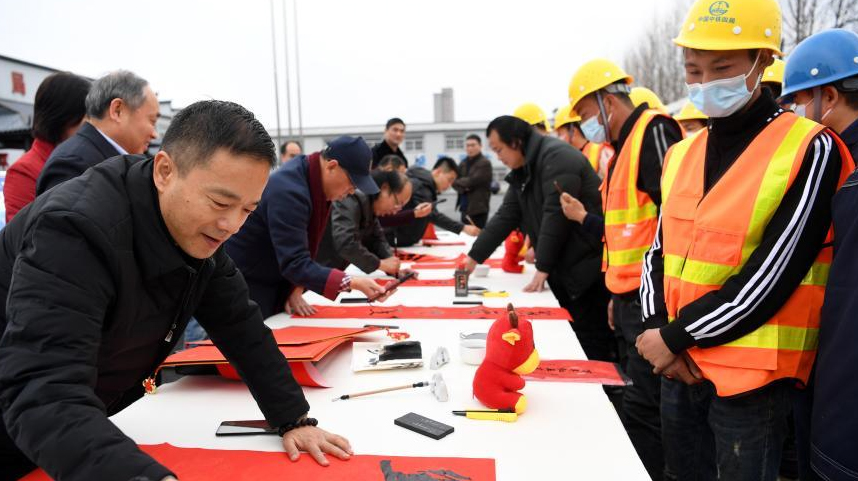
(640, 95)
(690, 112)
(775, 72)
(532, 114)
(732, 25)
(593, 76)
(564, 116)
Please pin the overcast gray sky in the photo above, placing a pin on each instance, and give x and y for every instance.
(361, 61)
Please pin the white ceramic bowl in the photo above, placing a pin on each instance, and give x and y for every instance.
(472, 351)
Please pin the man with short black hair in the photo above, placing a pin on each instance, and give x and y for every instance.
(474, 183)
(290, 150)
(99, 277)
(427, 186)
(121, 112)
(394, 135)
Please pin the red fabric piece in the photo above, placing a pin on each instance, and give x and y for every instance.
(195, 464)
(568, 370)
(414, 312)
(19, 188)
(509, 352)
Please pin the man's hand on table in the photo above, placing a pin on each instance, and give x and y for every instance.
(371, 288)
(470, 265)
(390, 266)
(295, 304)
(317, 442)
(537, 284)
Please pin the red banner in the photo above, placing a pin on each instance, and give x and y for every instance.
(194, 464)
(414, 312)
(568, 370)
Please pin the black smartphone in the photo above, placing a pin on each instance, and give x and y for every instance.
(394, 284)
(353, 300)
(244, 428)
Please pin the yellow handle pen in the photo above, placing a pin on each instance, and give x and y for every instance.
(505, 417)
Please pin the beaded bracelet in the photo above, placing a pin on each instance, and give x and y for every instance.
(297, 424)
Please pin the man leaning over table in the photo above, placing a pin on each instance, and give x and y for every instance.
(99, 277)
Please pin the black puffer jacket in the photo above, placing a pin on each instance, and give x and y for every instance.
(95, 294)
(353, 236)
(570, 256)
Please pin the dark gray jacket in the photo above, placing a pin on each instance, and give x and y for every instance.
(94, 294)
(424, 191)
(475, 182)
(570, 256)
(353, 236)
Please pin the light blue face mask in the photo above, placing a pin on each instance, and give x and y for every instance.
(593, 130)
(723, 98)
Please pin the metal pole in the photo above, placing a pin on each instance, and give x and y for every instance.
(286, 58)
(276, 83)
(298, 71)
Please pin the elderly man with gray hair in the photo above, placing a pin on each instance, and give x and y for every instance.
(121, 112)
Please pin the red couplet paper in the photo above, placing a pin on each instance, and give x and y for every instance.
(295, 335)
(415, 257)
(421, 283)
(304, 372)
(413, 312)
(438, 242)
(493, 263)
(194, 464)
(208, 354)
(568, 370)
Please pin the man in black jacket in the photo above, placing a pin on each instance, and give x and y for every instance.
(427, 186)
(354, 235)
(122, 111)
(474, 183)
(99, 277)
(566, 256)
(394, 135)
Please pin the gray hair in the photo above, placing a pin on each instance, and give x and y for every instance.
(120, 84)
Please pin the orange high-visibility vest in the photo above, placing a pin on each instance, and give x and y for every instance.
(593, 152)
(631, 217)
(709, 238)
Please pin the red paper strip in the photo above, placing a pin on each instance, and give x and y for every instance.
(211, 355)
(415, 257)
(438, 242)
(493, 263)
(194, 464)
(568, 370)
(304, 372)
(413, 312)
(421, 283)
(295, 335)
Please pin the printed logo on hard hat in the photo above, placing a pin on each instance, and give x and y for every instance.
(718, 10)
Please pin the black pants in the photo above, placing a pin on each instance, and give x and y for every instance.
(479, 219)
(590, 320)
(642, 400)
(13, 463)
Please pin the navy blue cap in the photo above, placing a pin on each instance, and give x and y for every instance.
(353, 155)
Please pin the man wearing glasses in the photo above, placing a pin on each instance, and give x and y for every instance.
(354, 234)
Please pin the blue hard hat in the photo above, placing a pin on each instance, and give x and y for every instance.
(821, 59)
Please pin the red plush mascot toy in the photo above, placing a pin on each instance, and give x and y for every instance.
(514, 249)
(510, 353)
